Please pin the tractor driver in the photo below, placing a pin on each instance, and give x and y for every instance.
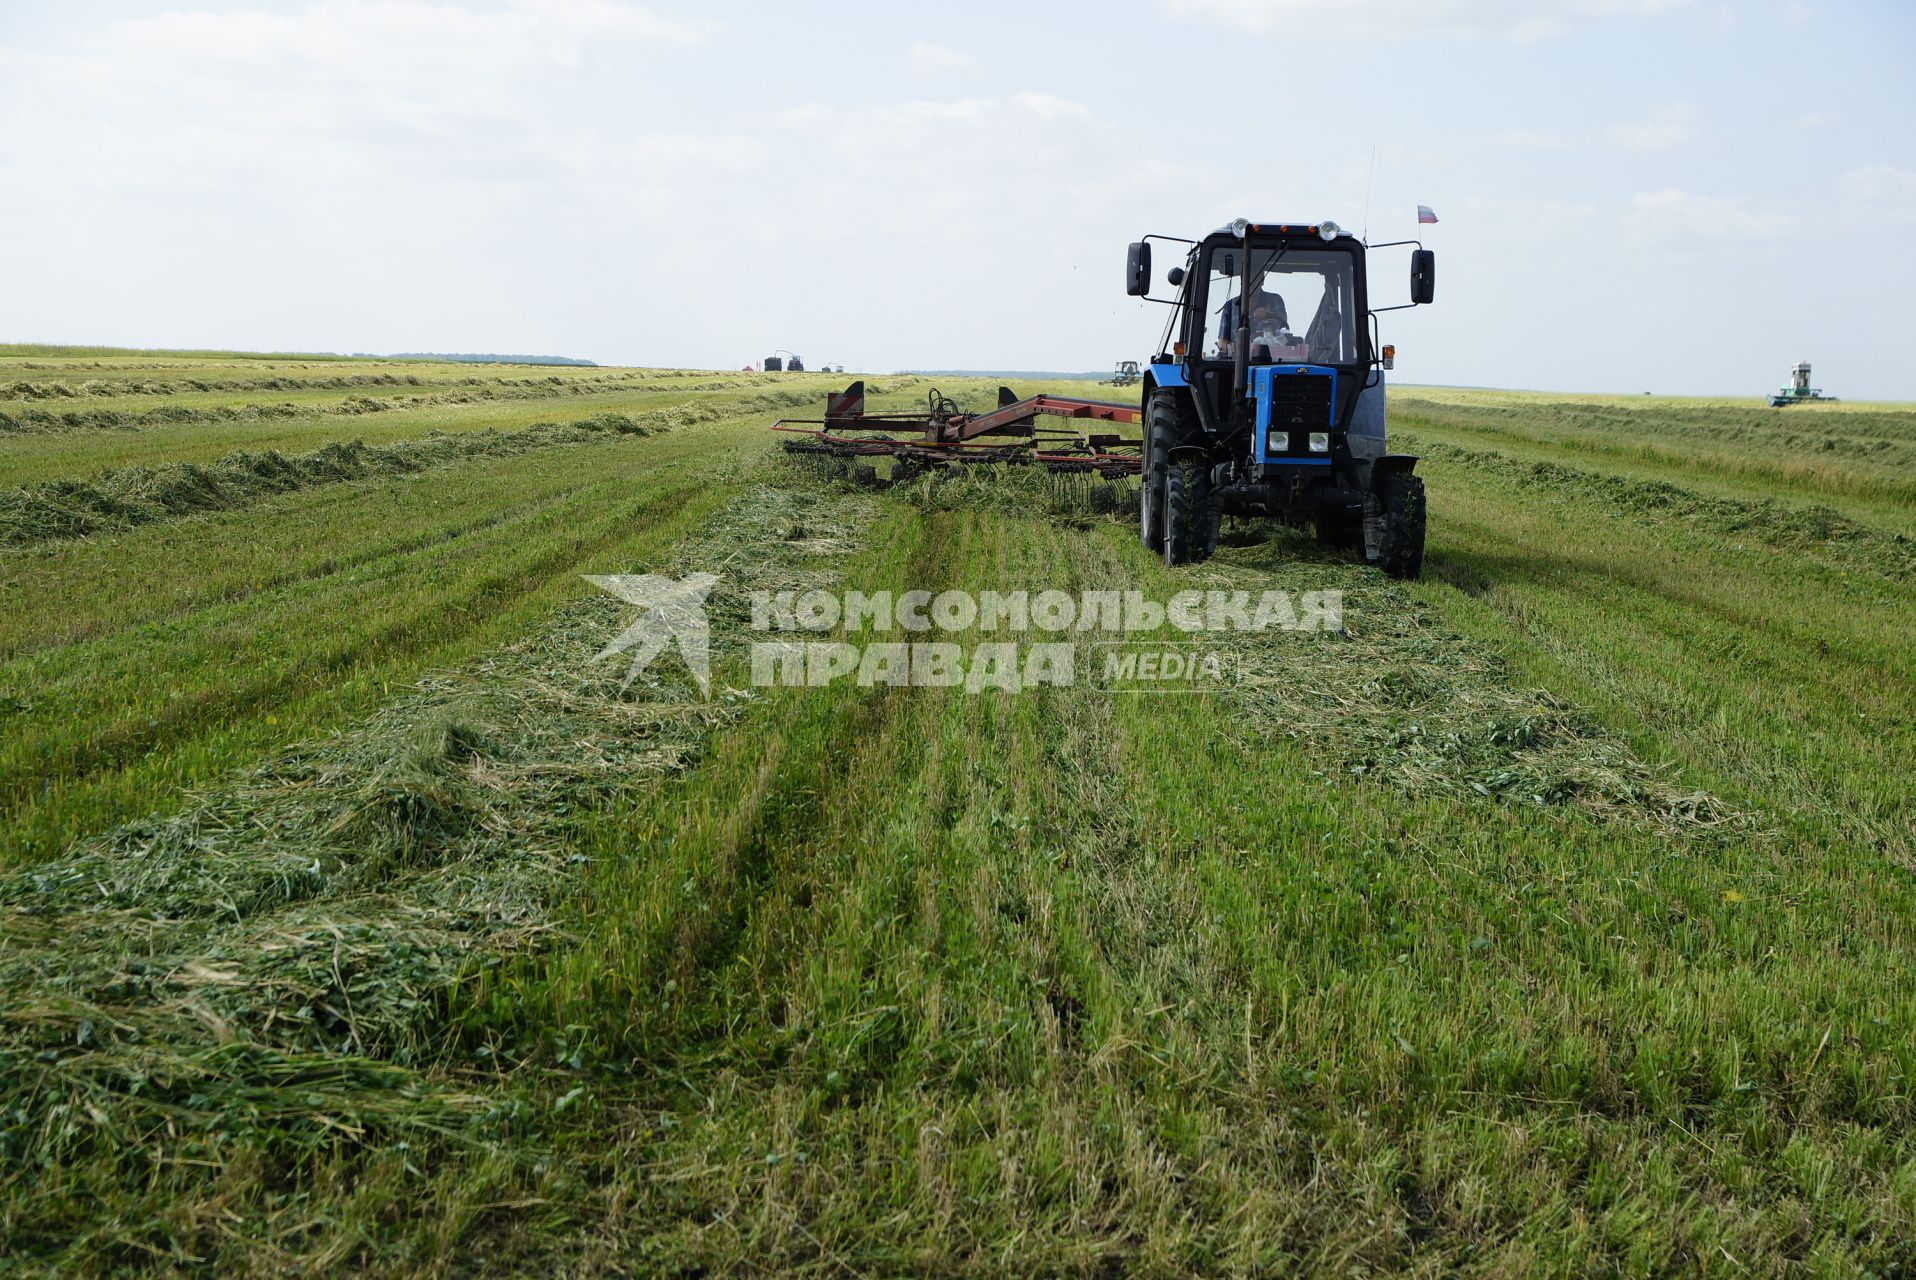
(1267, 316)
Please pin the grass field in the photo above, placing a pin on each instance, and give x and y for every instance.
(1555, 917)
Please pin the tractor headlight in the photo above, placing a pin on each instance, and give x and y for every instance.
(1277, 442)
(1320, 442)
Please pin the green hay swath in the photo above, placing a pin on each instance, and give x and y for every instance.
(269, 974)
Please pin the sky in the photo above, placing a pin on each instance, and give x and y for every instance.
(1677, 196)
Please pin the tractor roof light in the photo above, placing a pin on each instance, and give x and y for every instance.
(1241, 227)
(1329, 230)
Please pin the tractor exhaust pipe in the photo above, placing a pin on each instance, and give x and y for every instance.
(1241, 340)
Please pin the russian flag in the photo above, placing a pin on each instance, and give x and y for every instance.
(1424, 214)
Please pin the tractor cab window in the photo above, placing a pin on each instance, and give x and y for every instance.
(1301, 308)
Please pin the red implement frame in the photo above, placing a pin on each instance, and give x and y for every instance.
(944, 434)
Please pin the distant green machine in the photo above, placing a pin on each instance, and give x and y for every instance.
(1799, 391)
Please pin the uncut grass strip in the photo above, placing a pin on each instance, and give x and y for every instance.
(56, 510)
(75, 755)
(217, 410)
(1634, 629)
(1875, 491)
(343, 531)
(1812, 529)
(406, 376)
(205, 411)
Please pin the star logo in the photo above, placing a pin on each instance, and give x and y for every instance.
(669, 611)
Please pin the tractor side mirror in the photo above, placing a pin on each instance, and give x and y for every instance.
(1423, 276)
(1137, 269)
(1175, 275)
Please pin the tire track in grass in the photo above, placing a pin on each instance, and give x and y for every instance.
(945, 958)
(981, 987)
(670, 918)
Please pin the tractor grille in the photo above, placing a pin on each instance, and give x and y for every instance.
(1300, 403)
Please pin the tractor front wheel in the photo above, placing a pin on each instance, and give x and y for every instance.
(1190, 523)
(1394, 526)
(1162, 431)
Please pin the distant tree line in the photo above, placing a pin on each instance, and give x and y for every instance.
(483, 358)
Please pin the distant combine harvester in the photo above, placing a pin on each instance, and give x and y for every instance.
(1799, 391)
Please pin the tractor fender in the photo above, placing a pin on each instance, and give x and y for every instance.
(1187, 407)
(1370, 472)
(1389, 465)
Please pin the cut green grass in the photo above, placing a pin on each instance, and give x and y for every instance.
(1551, 919)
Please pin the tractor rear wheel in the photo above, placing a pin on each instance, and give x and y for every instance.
(1394, 526)
(1162, 430)
(1190, 524)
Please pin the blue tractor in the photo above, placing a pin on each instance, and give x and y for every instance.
(1266, 397)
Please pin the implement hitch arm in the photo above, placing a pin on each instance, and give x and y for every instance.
(1011, 432)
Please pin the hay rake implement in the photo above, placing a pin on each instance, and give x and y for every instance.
(1046, 431)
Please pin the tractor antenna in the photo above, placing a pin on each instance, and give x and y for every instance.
(1367, 184)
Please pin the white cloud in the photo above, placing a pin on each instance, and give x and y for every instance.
(1050, 106)
(405, 175)
(362, 41)
(1507, 19)
(243, 86)
(929, 61)
(247, 168)
(1676, 215)
(609, 180)
(1665, 128)
(1877, 195)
